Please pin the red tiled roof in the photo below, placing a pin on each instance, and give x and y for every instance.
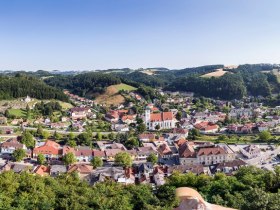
(210, 127)
(180, 142)
(180, 130)
(50, 147)
(67, 149)
(211, 151)
(42, 170)
(150, 136)
(79, 109)
(186, 150)
(205, 126)
(11, 143)
(98, 153)
(83, 152)
(81, 168)
(154, 109)
(161, 116)
(112, 152)
(113, 114)
(164, 149)
(128, 117)
(52, 144)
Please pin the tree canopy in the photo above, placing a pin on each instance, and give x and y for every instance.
(123, 159)
(96, 162)
(21, 85)
(19, 154)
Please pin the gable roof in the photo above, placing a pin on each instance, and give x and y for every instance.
(196, 169)
(50, 147)
(67, 149)
(163, 116)
(149, 136)
(164, 149)
(211, 151)
(83, 151)
(231, 164)
(180, 131)
(79, 109)
(81, 168)
(98, 153)
(52, 144)
(11, 143)
(112, 152)
(186, 150)
(42, 170)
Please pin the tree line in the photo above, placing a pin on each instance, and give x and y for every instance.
(20, 86)
(249, 189)
(86, 84)
(229, 86)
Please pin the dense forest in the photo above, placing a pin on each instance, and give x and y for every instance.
(229, 86)
(249, 189)
(245, 80)
(236, 84)
(86, 84)
(21, 85)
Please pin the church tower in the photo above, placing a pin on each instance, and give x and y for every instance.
(147, 115)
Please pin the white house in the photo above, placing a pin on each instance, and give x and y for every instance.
(9, 146)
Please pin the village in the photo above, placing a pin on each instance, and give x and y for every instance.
(140, 141)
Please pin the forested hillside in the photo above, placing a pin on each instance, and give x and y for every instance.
(245, 80)
(226, 87)
(240, 82)
(86, 85)
(20, 86)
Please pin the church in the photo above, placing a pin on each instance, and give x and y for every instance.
(164, 120)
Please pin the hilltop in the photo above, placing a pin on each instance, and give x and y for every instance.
(217, 81)
(112, 94)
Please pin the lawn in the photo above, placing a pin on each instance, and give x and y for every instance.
(20, 113)
(65, 105)
(123, 86)
(17, 112)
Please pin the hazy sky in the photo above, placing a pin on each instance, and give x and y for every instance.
(101, 34)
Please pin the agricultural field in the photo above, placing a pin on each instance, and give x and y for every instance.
(123, 86)
(217, 73)
(277, 74)
(149, 72)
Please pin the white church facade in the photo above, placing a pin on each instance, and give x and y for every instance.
(165, 120)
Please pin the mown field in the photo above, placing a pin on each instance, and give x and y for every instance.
(218, 73)
(19, 113)
(125, 87)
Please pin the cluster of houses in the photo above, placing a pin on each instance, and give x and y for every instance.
(162, 116)
(78, 100)
(174, 152)
(172, 147)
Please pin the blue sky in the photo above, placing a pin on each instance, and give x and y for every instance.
(101, 34)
